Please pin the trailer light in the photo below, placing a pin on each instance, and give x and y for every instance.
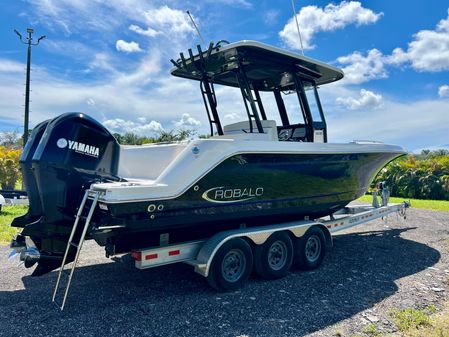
(137, 256)
(174, 252)
(151, 257)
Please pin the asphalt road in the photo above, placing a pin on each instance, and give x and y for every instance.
(371, 268)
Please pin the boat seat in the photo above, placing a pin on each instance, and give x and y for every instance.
(269, 128)
(146, 162)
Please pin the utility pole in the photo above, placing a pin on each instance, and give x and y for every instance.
(29, 42)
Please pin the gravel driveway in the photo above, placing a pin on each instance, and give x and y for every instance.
(371, 268)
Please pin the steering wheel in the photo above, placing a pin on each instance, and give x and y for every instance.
(285, 134)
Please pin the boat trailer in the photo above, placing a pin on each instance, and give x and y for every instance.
(227, 258)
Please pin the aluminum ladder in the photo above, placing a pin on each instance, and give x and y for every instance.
(78, 245)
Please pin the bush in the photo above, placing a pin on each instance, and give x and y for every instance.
(424, 176)
(9, 167)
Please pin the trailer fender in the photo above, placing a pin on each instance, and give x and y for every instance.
(255, 235)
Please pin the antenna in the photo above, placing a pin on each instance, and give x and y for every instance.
(297, 26)
(194, 25)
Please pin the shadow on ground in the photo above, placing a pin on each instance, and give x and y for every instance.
(117, 299)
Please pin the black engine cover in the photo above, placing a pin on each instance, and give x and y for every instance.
(60, 161)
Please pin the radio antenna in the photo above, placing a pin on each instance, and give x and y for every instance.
(297, 26)
(196, 27)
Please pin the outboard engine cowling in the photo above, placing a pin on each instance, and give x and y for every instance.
(73, 152)
(29, 181)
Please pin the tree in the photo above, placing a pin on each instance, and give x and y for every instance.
(11, 140)
(163, 136)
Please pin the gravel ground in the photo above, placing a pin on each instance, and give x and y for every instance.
(371, 269)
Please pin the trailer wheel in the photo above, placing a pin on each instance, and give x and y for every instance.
(310, 249)
(274, 257)
(231, 265)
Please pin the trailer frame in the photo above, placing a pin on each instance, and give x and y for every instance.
(200, 253)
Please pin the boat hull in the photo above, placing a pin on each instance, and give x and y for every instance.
(246, 190)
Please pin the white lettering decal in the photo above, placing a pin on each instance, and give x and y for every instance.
(82, 148)
(221, 195)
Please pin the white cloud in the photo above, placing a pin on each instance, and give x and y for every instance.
(232, 116)
(412, 123)
(367, 100)
(313, 19)
(142, 128)
(416, 124)
(127, 47)
(168, 21)
(94, 15)
(187, 121)
(443, 91)
(101, 61)
(149, 32)
(7, 66)
(429, 51)
(121, 94)
(361, 68)
(236, 3)
(271, 16)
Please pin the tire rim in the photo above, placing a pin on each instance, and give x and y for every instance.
(233, 265)
(277, 255)
(313, 248)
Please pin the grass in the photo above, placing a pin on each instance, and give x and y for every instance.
(7, 214)
(410, 319)
(417, 323)
(18, 185)
(435, 205)
(371, 330)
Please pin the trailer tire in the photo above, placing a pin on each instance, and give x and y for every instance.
(310, 249)
(231, 265)
(273, 259)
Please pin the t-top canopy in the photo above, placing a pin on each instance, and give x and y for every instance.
(267, 68)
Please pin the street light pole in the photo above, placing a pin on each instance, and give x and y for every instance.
(29, 42)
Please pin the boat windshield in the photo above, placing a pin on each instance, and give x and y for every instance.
(313, 101)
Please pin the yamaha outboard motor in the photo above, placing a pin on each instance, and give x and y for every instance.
(29, 181)
(73, 152)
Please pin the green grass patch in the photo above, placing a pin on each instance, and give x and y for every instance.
(410, 319)
(371, 330)
(434, 205)
(8, 213)
(422, 323)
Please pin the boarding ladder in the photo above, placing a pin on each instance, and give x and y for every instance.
(78, 244)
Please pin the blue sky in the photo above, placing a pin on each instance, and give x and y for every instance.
(110, 59)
